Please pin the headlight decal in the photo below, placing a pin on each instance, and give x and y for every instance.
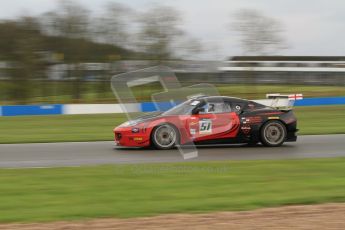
(135, 130)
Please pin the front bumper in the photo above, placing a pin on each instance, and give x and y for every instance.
(124, 136)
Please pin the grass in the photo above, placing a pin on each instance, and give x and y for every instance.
(321, 119)
(61, 92)
(123, 191)
(58, 128)
(26, 129)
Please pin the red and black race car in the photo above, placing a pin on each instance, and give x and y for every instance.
(211, 120)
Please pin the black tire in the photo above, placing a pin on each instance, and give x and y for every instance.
(165, 136)
(273, 133)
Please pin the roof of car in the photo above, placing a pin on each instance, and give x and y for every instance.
(220, 98)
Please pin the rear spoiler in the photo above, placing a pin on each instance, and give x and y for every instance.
(280, 101)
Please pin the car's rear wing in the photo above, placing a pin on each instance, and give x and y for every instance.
(280, 101)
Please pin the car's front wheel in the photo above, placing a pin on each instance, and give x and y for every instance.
(273, 134)
(165, 136)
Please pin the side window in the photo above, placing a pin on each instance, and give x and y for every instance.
(253, 105)
(226, 107)
(216, 107)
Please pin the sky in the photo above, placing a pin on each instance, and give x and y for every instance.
(312, 27)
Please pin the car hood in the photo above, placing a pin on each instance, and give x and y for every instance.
(147, 117)
(144, 118)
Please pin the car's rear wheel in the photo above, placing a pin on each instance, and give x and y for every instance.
(165, 136)
(273, 134)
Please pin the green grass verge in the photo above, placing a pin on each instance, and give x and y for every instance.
(61, 92)
(311, 120)
(321, 119)
(27, 129)
(28, 195)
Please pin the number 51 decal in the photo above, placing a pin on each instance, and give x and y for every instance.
(205, 126)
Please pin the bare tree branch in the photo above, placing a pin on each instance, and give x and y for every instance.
(259, 34)
(159, 27)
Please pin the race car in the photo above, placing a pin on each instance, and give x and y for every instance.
(214, 120)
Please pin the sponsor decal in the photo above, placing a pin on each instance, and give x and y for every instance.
(192, 131)
(193, 123)
(205, 126)
(251, 120)
(137, 138)
(135, 130)
(246, 129)
(194, 103)
(273, 118)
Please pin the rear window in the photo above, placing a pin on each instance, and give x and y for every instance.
(253, 105)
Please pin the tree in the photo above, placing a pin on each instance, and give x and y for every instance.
(70, 20)
(259, 34)
(187, 47)
(158, 31)
(112, 26)
(20, 46)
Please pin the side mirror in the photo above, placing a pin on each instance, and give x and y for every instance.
(198, 110)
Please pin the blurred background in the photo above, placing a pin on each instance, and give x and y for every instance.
(66, 51)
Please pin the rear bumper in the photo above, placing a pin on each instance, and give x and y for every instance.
(292, 136)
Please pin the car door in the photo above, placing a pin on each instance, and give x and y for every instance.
(214, 122)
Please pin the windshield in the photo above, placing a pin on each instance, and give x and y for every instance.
(184, 108)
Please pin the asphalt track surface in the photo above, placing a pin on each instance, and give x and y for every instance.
(96, 153)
